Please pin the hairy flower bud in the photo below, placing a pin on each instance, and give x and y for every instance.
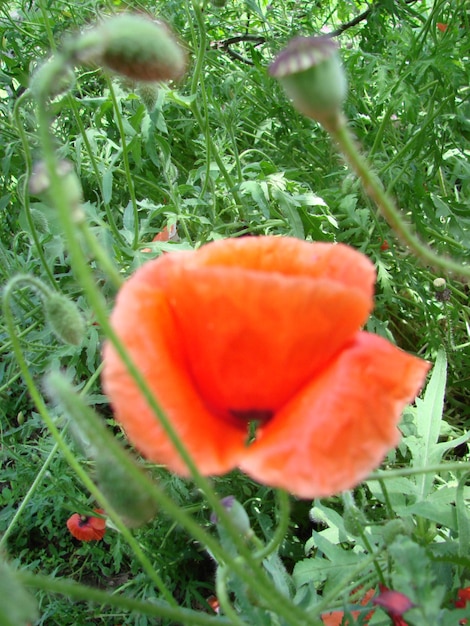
(133, 46)
(64, 318)
(310, 71)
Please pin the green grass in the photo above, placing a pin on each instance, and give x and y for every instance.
(224, 154)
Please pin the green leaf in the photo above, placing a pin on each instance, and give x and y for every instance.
(424, 448)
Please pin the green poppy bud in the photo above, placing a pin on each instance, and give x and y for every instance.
(124, 490)
(133, 46)
(393, 528)
(311, 73)
(128, 489)
(148, 93)
(237, 514)
(52, 78)
(64, 318)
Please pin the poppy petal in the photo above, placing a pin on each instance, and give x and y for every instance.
(341, 425)
(146, 326)
(253, 334)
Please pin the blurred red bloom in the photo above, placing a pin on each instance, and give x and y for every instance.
(213, 602)
(264, 330)
(87, 528)
(335, 618)
(384, 245)
(442, 27)
(463, 596)
(395, 603)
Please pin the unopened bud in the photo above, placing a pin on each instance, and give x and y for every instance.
(53, 78)
(123, 490)
(64, 318)
(311, 73)
(133, 46)
(237, 514)
(148, 93)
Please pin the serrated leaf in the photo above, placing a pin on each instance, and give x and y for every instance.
(424, 448)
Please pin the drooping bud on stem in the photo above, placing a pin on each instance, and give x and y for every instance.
(121, 480)
(133, 46)
(311, 73)
(63, 315)
(64, 318)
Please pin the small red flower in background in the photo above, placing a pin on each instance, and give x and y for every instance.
(442, 27)
(395, 603)
(168, 233)
(265, 330)
(463, 596)
(384, 245)
(213, 602)
(335, 618)
(86, 527)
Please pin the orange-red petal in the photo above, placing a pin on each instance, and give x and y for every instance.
(260, 317)
(145, 324)
(341, 425)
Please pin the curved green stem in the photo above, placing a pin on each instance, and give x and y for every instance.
(155, 608)
(28, 163)
(283, 523)
(223, 597)
(375, 190)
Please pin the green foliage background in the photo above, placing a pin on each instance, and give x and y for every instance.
(224, 154)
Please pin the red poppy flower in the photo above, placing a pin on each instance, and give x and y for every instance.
(395, 603)
(442, 27)
(86, 527)
(265, 330)
(335, 618)
(384, 246)
(463, 596)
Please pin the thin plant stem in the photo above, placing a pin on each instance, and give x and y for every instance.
(125, 159)
(26, 203)
(109, 214)
(223, 597)
(36, 482)
(134, 606)
(375, 190)
(455, 466)
(282, 526)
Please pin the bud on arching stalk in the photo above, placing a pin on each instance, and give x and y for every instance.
(64, 318)
(133, 46)
(128, 489)
(123, 491)
(310, 71)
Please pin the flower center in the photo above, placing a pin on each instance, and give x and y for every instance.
(252, 415)
(84, 520)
